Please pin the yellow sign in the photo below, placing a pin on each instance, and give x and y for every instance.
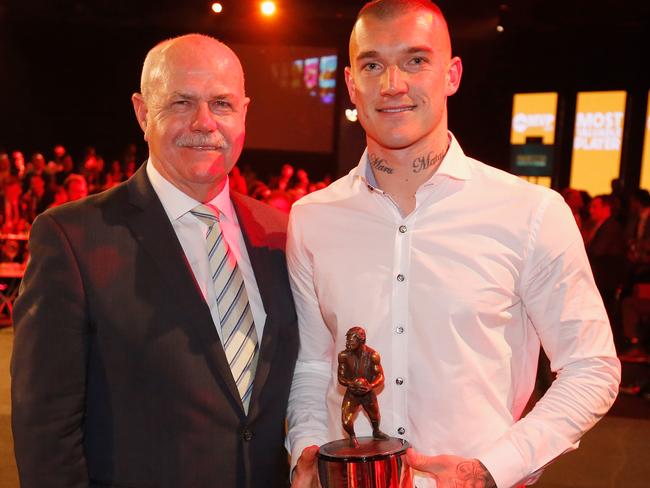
(597, 141)
(645, 160)
(533, 115)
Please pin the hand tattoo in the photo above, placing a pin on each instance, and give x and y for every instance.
(380, 164)
(422, 163)
(472, 474)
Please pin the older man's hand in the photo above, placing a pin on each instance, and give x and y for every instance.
(306, 470)
(452, 471)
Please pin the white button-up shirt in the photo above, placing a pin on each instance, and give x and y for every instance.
(456, 298)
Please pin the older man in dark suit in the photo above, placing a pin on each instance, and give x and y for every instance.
(155, 330)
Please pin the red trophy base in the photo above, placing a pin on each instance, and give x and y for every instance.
(374, 464)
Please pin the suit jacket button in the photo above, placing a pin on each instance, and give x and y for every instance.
(247, 434)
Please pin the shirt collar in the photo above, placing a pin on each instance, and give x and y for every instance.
(177, 203)
(453, 165)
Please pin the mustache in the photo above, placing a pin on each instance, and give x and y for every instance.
(193, 140)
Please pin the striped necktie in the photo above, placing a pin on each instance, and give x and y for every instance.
(238, 333)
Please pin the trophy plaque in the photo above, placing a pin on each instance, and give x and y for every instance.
(364, 462)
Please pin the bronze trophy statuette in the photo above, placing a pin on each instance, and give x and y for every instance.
(362, 462)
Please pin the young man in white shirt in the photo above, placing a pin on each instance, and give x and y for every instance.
(457, 271)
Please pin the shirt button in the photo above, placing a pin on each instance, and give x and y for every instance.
(401, 431)
(399, 381)
(400, 277)
(247, 434)
(399, 330)
(402, 229)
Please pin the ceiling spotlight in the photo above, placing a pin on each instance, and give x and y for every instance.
(268, 8)
(351, 114)
(217, 8)
(503, 17)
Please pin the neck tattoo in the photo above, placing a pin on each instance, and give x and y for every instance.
(380, 164)
(421, 163)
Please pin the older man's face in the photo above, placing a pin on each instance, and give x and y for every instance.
(196, 111)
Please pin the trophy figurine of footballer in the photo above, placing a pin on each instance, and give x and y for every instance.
(364, 462)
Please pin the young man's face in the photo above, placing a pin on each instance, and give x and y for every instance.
(400, 77)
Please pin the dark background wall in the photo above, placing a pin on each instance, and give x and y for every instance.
(68, 68)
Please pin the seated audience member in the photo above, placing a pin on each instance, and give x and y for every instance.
(18, 164)
(94, 175)
(129, 168)
(606, 252)
(279, 199)
(5, 167)
(259, 190)
(36, 166)
(115, 174)
(60, 196)
(56, 163)
(9, 251)
(281, 182)
(301, 187)
(635, 306)
(67, 168)
(12, 211)
(37, 198)
(59, 152)
(75, 186)
(638, 236)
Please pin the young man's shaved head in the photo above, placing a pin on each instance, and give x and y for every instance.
(386, 10)
(389, 9)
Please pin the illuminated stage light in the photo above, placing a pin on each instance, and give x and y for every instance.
(268, 8)
(500, 28)
(351, 114)
(217, 8)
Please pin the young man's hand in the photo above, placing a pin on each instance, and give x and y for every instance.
(452, 471)
(306, 471)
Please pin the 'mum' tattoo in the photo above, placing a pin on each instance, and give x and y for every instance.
(473, 473)
(423, 162)
(379, 164)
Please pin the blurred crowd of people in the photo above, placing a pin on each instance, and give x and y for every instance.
(616, 233)
(30, 186)
(281, 190)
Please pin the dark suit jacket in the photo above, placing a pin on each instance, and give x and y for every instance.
(119, 376)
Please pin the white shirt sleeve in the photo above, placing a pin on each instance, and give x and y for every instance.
(563, 303)
(307, 410)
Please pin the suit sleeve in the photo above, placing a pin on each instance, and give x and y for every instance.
(48, 365)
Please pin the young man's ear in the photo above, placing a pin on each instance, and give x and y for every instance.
(349, 81)
(454, 74)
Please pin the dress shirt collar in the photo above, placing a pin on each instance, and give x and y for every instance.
(176, 203)
(453, 165)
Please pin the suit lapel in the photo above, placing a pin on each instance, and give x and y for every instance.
(259, 254)
(153, 230)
